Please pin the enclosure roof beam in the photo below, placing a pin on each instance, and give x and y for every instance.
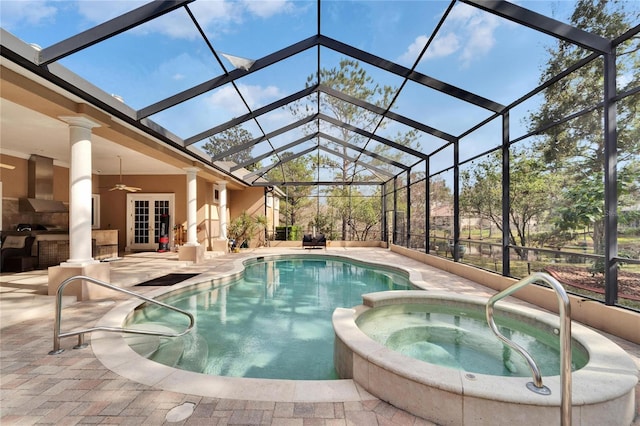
(275, 151)
(235, 74)
(265, 169)
(353, 160)
(257, 140)
(543, 24)
(381, 111)
(370, 135)
(318, 183)
(411, 75)
(254, 114)
(364, 151)
(108, 29)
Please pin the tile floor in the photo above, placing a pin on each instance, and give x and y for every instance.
(75, 387)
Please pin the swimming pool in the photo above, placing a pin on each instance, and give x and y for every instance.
(274, 321)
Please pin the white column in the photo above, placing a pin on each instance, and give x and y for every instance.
(222, 199)
(80, 191)
(192, 206)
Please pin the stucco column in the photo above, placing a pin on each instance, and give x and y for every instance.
(80, 262)
(80, 191)
(222, 199)
(192, 206)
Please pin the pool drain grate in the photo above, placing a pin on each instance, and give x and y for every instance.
(180, 413)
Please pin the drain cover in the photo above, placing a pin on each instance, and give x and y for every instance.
(180, 413)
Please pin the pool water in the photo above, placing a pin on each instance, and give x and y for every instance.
(460, 338)
(274, 322)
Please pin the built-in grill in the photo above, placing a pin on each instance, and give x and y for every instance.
(24, 227)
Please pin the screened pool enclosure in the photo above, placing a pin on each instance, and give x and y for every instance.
(501, 135)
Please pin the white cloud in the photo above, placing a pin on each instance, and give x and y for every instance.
(267, 8)
(257, 96)
(100, 11)
(462, 12)
(227, 98)
(480, 30)
(25, 11)
(175, 24)
(414, 49)
(443, 46)
(468, 33)
(213, 16)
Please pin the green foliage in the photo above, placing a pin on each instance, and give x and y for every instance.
(298, 169)
(555, 238)
(439, 193)
(228, 139)
(288, 233)
(324, 224)
(532, 192)
(366, 214)
(350, 78)
(582, 204)
(241, 229)
(575, 149)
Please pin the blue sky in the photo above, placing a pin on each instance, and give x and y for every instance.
(474, 50)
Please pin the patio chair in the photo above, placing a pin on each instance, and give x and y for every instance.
(16, 253)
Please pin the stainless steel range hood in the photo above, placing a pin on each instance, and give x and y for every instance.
(40, 188)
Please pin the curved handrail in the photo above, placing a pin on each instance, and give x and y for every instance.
(564, 308)
(57, 335)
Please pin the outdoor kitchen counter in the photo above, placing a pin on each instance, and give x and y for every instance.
(52, 249)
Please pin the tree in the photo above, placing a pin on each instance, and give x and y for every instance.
(351, 79)
(441, 206)
(228, 139)
(298, 169)
(324, 223)
(241, 229)
(418, 207)
(582, 203)
(366, 214)
(532, 193)
(576, 148)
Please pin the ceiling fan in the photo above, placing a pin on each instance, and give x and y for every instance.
(121, 186)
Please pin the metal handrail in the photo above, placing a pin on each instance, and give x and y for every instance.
(564, 308)
(57, 335)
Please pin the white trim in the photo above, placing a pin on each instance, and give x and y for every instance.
(95, 211)
(130, 246)
(216, 194)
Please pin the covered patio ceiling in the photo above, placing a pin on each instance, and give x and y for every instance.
(164, 68)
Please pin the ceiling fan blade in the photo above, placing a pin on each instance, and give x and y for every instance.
(121, 186)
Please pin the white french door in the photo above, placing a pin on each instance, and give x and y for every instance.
(143, 219)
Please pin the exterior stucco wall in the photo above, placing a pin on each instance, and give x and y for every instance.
(113, 204)
(250, 200)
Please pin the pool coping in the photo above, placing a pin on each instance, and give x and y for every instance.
(112, 350)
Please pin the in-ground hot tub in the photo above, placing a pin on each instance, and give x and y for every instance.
(465, 388)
